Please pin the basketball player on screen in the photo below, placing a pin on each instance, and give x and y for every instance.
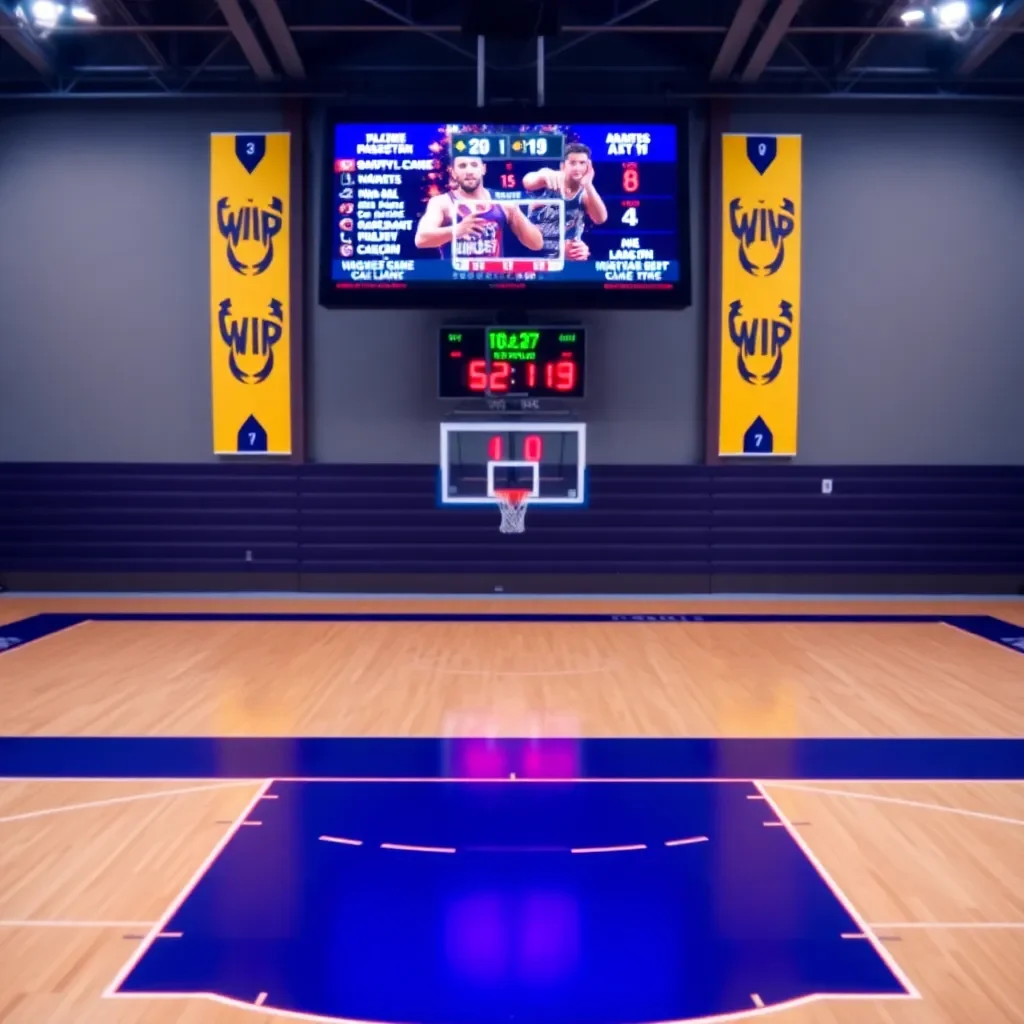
(573, 183)
(479, 221)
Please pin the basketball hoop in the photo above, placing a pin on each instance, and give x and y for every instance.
(512, 504)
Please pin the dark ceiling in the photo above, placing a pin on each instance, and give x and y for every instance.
(607, 52)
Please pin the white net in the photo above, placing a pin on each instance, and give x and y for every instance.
(512, 505)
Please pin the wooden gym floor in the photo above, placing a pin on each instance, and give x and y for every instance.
(94, 864)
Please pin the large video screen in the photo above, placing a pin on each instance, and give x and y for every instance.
(483, 214)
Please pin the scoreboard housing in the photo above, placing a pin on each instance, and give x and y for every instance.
(382, 172)
(511, 361)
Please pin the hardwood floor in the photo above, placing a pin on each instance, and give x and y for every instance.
(87, 867)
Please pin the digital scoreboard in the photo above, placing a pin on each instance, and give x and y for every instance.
(512, 362)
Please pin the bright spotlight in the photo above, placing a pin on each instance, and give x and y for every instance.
(913, 16)
(81, 13)
(952, 15)
(46, 13)
(996, 13)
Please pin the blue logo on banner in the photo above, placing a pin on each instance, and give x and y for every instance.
(251, 340)
(761, 151)
(758, 439)
(250, 150)
(252, 437)
(766, 228)
(258, 226)
(760, 341)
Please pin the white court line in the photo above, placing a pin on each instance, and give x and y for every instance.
(723, 1018)
(686, 842)
(417, 849)
(900, 801)
(608, 849)
(884, 953)
(339, 839)
(111, 989)
(118, 799)
(76, 924)
(256, 780)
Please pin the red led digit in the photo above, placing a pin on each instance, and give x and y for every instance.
(478, 375)
(531, 375)
(549, 375)
(495, 448)
(500, 373)
(630, 178)
(565, 374)
(533, 448)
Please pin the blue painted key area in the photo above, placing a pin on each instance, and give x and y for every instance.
(465, 904)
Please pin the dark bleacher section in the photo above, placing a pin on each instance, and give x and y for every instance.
(763, 527)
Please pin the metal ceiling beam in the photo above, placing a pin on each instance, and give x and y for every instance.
(246, 39)
(608, 26)
(861, 48)
(120, 9)
(769, 42)
(736, 38)
(280, 38)
(686, 30)
(992, 37)
(20, 40)
(425, 29)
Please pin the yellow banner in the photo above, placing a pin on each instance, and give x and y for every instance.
(760, 345)
(250, 297)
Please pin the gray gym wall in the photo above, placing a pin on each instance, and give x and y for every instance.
(912, 312)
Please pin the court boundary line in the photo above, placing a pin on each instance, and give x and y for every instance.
(175, 905)
(47, 811)
(911, 990)
(660, 780)
(986, 627)
(898, 801)
(83, 923)
(721, 1018)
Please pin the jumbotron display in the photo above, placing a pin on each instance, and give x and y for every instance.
(512, 362)
(573, 214)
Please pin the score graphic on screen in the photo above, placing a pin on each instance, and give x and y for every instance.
(480, 208)
(513, 362)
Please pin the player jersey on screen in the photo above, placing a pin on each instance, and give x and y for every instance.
(490, 244)
(546, 218)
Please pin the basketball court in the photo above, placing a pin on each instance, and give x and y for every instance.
(606, 317)
(557, 809)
